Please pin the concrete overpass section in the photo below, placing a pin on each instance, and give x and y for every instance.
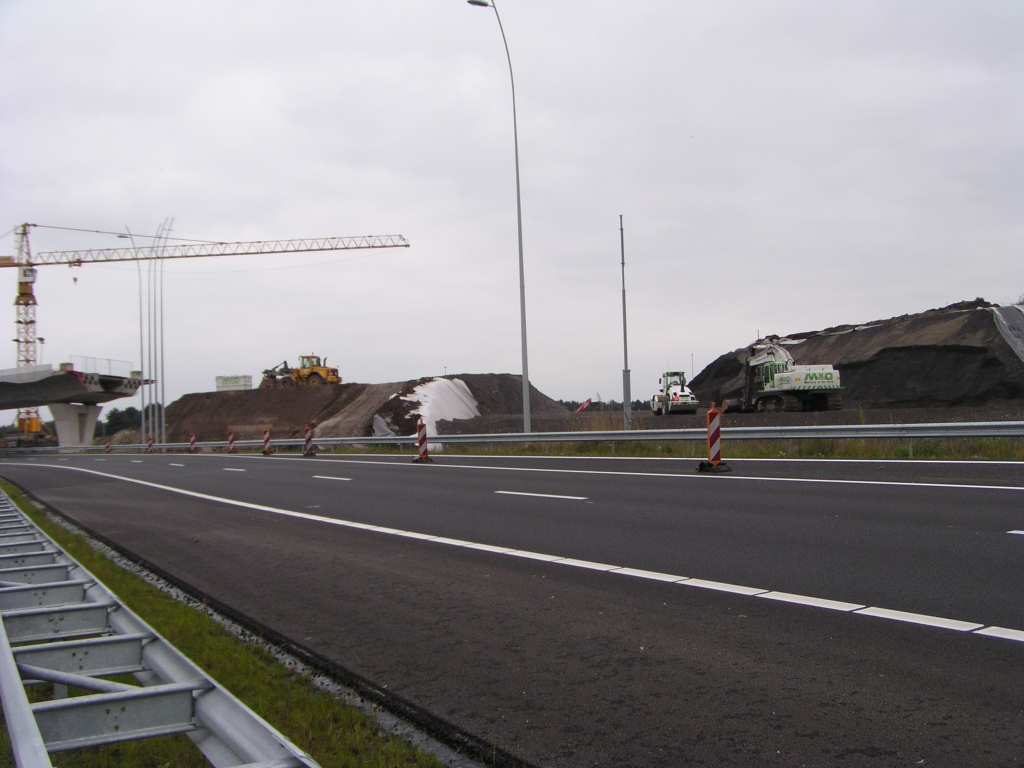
(74, 398)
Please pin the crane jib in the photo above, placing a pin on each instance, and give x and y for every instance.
(198, 250)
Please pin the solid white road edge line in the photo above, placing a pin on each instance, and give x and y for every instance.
(881, 613)
(542, 495)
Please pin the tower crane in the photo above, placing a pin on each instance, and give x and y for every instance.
(25, 262)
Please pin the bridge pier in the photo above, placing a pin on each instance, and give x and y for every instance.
(76, 424)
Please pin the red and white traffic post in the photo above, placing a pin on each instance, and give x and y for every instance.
(191, 442)
(149, 444)
(107, 448)
(308, 447)
(266, 442)
(231, 441)
(421, 442)
(714, 462)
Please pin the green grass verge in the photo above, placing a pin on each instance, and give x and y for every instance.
(989, 448)
(334, 733)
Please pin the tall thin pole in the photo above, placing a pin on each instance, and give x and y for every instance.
(627, 411)
(519, 220)
(163, 366)
(142, 348)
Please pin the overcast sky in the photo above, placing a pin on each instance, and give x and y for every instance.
(781, 167)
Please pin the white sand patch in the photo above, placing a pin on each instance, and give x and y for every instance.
(442, 400)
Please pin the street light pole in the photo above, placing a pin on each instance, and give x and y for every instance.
(519, 220)
(627, 410)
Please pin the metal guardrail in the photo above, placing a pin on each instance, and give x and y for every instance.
(830, 432)
(61, 626)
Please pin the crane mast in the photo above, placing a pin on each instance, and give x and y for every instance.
(25, 323)
(25, 263)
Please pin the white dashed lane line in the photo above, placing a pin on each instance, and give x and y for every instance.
(233, 469)
(542, 495)
(1021, 533)
(853, 609)
(328, 477)
(136, 461)
(176, 465)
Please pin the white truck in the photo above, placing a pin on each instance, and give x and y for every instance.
(673, 396)
(774, 383)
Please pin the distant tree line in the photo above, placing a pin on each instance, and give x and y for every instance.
(129, 418)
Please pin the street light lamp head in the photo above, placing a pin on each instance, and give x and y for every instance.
(482, 3)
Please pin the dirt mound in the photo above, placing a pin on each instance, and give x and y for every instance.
(342, 410)
(497, 395)
(956, 355)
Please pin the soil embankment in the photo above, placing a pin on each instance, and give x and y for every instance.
(343, 410)
(959, 363)
(954, 356)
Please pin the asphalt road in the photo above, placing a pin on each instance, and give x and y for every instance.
(553, 617)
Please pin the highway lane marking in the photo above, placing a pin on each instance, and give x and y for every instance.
(817, 602)
(1018, 532)
(722, 478)
(329, 477)
(542, 495)
(622, 473)
(937, 622)
(1006, 634)
(172, 464)
(233, 469)
(136, 461)
(917, 618)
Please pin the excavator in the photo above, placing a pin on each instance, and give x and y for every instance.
(774, 383)
(311, 372)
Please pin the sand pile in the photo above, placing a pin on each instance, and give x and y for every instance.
(966, 354)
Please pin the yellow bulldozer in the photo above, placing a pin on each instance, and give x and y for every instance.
(311, 372)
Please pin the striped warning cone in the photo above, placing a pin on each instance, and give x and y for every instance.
(191, 442)
(308, 447)
(421, 443)
(714, 462)
(231, 441)
(266, 442)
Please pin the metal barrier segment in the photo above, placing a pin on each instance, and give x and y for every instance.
(832, 432)
(61, 626)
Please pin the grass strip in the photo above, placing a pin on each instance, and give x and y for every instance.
(959, 448)
(335, 734)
